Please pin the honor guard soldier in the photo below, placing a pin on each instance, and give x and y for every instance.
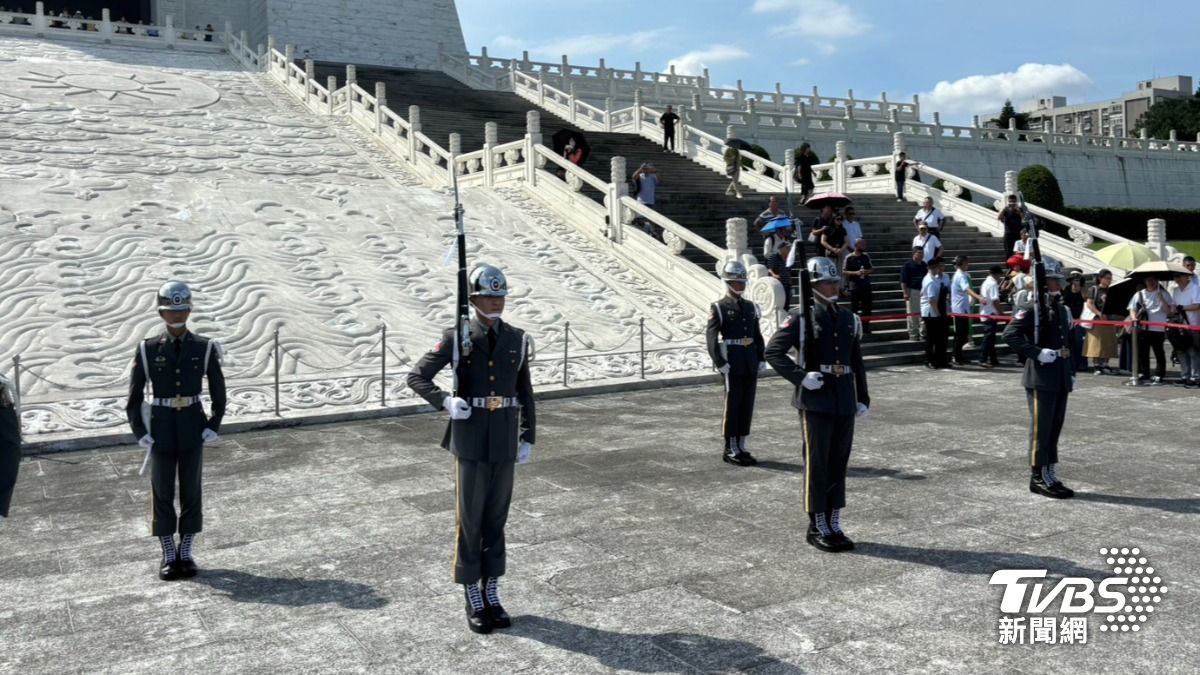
(491, 429)
(171, 425)
(1049, 377)
(736, 345)
(831, 390)
(10, 446)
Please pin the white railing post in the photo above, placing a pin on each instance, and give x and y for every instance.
(39, 20)
(533, 138)
(839, 167)
(657, 88)
(802, 113)
(637, 110)
(736, 245)
(789, 170)
(778, 97)
(740, 98)
(414, 127)
(331, 85)
(455, 151)
(894, 121)
(351, 76)
(564, 71)
(1012, 131)
(752, 118)
(106, 28)
(490, 140)
(541, 88)
(916, 107)
(616, 190)
(1156, 236)
(309, 73)
(608, 114)
(849, 123)
(571, 115)
(1010, 183)
(170, 32)
(380, 102)
(937, 127)
(289, 57)
(270, 39)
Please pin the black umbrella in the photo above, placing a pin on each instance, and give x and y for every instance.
(737, 144)
(563, 137)
(1121, 292)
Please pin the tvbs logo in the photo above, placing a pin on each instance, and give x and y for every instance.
(1126, 600)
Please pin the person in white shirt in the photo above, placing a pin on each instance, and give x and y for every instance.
(928, 242)
(853, 229)
(1186, 297)
(1021, 247)
(1153, 304)
(930, 216)
(961, 296)
(989, 297)
(935, 306)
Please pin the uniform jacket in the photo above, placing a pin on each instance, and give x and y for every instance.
(486, 436)
(837, 334)
(735, 318)
(10, 424)
(171, 376)
(1055, 334)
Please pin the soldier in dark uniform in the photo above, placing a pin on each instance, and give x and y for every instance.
(736, 346)
(829, 395)
(1048, 379)
(491, 428)
(171, 424)
(10, 447)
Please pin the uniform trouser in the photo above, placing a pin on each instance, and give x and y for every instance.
(669, 137)
(916, 328)
(962, 333)
(10, 463)
(988, 352)
(739, 404)
(1155, 340)
(165, 467)
(937, 332)
(483, 493)
(827, 441)
(1048, 410)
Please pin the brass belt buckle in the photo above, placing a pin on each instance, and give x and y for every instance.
(839, 370)
(494, 403)
(746, 342)
(178, 403)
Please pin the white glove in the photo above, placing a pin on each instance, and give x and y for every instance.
(1047, 356)
(813, 381)
(762, 365)
(457, 407)
(208, 436)
(146, 441)
(724, 370)
(862, 410)
(524, 452)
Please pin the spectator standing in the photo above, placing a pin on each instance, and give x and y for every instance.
(961, 296)
(911, 276)
(646, 182)
(929, 242)
(208, 33)
(935, 292)
(1153, 304)
(804, 170)
(1190, 263)
(821, 224)
(668, 121)
(1021, 247)
(988, 307)
(1186, 298)
(857, 273)
(930, 216)
(1101, 344)
(854, 230)
(773, 211)
(777, 266)
(1011, 217)
(733, 169)
(901, 174)
(1073, 299)
(833, 242)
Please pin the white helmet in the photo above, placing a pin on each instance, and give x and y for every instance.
(174, 296)
(822, 269)
(1054, 269)
(733, 271)
(488, 281)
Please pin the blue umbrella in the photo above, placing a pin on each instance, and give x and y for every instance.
(777, 223)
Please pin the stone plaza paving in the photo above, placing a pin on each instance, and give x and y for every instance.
(632, 547)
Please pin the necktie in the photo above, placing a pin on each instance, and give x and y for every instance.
(491, 337)
(178, 346)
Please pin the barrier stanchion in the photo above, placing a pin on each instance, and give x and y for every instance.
(17, 388)
(1133, 357)
(566, 343)
(277, 414)
(383, 365)
(642, 345)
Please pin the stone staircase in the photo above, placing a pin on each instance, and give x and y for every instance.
(690, 194)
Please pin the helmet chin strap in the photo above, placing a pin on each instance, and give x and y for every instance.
(830, 299)
(734, 290)
(177, 325)
(490, 316)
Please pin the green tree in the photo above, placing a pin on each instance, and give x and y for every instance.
(1040, 188)
(1181, 114)
(1008, 112)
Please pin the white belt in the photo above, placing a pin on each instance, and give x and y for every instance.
(494, 402)
(837, 370)
(178, 403)
(740, 342)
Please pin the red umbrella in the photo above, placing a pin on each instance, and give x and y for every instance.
(822, 199)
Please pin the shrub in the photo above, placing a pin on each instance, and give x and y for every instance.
(761, 152)
(1040, 187)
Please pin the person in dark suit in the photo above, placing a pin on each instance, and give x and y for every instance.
(736, 345)
(830, 393)
(10, 447)
(1048, 379)
(171, 424)
(492, 428)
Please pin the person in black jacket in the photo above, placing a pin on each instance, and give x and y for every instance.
(492, 428)
(736, 346)
(830, 393)
(172, 425)
(668, 120)
(10, 447)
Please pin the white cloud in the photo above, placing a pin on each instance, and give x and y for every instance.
(801, 62)
(822, 23)
(694, 62)
(977, 93)
(592, 44)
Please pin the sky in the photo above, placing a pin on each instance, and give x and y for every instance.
(962, 58)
